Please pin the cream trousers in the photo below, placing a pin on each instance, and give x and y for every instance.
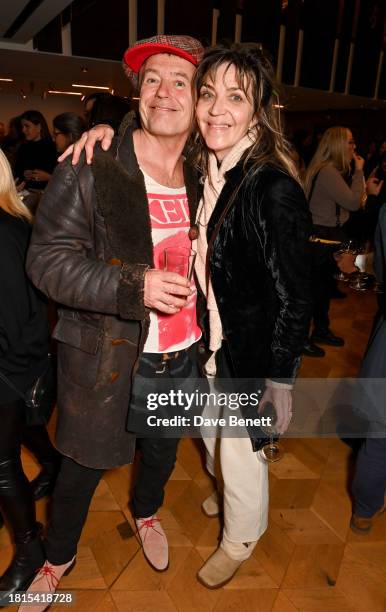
(242, 476)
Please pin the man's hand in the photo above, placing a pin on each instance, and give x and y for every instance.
(373, 186)
(282, 402)
(166, 291)
(87, 141)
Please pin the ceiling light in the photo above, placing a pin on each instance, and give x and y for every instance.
(65, 93)
(7, 80)
(91, 86)
(278, 105)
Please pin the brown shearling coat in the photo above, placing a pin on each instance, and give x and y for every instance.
(90, 249)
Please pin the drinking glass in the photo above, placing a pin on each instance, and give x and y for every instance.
(271, 451)
(180, 260)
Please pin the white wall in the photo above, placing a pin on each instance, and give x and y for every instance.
(12, 105)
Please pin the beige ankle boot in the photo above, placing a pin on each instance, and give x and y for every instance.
(220, 568)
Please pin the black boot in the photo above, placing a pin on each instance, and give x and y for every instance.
(29, 557)
(18, 508)
(44, 482)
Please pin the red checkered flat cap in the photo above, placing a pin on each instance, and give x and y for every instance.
(186, 47)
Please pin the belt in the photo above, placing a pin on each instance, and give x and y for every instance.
(164, 357)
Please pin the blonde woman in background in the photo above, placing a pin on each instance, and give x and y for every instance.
(333, 192)
(24, 346)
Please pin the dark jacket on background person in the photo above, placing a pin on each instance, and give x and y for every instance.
(39, 155)
(259, 260)
(24, 334)
(92, 259)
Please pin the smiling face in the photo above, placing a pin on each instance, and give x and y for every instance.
(166, 105)
(224, 111)
(31, 130)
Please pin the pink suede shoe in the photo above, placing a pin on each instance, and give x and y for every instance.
(154, 542)
(46, 581)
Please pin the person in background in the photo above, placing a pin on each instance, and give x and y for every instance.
(332, 193)
(379, 173)
(68, 127)
(89, 102)
(109, 110)
(24, 346)
(2, 132)
(13, 140)
(36, 157)
(369, 482)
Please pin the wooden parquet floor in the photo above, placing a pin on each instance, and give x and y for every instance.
(308, 560)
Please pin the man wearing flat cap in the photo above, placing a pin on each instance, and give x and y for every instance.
(97, 249)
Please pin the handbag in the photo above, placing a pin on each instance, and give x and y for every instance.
(40, 399)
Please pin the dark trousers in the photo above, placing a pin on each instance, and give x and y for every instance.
(76, 484)
(369, 483)
(16, 499)
(158, 455)
(37, 440)
(74, 489)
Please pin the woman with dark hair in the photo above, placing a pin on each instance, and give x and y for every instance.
(36, 158)
(109, 110)
(13, 140)
(253, 267)
(68, 127)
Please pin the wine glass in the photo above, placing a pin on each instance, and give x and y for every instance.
(271, 451)
(345, 248)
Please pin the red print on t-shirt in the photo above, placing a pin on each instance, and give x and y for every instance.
(168, 212)
(169, 215)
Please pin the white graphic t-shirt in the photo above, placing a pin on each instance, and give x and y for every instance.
(170, 223)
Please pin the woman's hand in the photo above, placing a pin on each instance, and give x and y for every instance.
(166, 291)
(373, 186)
(359, 162)
(281, 399)
(37, 175)
(103, 133)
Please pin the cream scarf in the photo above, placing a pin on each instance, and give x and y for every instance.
(206, 206)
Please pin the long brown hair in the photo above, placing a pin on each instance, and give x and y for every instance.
(9, 199)
(254, 74)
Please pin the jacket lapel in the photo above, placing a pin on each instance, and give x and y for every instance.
(122, 201)
(233, 180)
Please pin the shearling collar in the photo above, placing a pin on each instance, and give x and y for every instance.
(122, 199)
